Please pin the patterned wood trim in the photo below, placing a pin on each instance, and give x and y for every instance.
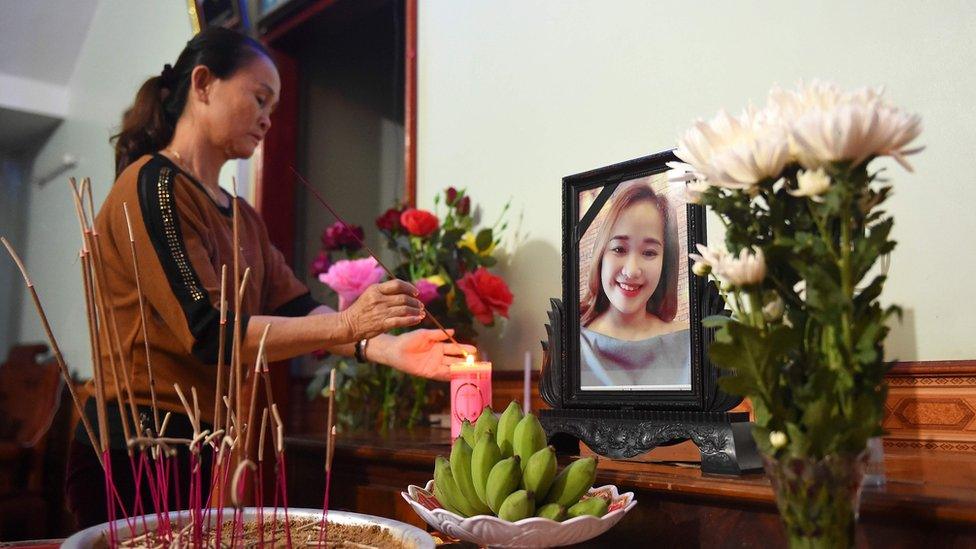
(931, 406)
(900, 445)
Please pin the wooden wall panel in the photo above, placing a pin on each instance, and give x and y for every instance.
(931, 406)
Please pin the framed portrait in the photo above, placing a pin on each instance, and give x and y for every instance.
(632, 325)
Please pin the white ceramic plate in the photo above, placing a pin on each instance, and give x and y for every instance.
(531, 532)
(88, 537)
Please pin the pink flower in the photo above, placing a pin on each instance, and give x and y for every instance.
(427, 290)
(350, 277)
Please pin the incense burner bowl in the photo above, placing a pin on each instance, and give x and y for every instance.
(406, 535)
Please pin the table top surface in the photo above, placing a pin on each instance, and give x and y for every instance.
(941, 485)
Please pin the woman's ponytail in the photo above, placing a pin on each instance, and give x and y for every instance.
(145, 126)
(148, 125)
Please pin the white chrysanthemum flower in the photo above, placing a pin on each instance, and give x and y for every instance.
(827, 124)
(778, 439)
(812, 183)
(735, 152)
(708, 260)
(748, 269)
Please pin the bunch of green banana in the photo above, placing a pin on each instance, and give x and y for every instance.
(506, 427)
(502, 466)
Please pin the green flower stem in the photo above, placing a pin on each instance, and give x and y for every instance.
(846, 276)
(822, 229)
(739, 305)
(754, 299)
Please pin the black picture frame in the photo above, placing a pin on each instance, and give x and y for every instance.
(231, 14)
(272, 12)
(703, 394)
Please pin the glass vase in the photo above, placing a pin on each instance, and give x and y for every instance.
(818, 499)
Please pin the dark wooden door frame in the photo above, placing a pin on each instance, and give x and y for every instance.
(274, 183)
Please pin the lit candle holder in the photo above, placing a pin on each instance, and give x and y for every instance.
(470, 392)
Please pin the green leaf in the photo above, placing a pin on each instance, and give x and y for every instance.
(737, 385)
(715, 321)
(483, 240)
(799, 444)
(451, 238)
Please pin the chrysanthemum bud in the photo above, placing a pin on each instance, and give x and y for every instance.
(701, 269)
(778, 439)
(773, 310)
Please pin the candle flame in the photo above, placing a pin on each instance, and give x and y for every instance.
(469, 359)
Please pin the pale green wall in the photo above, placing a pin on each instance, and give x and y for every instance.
(128, 41)
(514, 95)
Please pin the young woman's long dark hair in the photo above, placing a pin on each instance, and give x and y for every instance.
(148, 125)
(664, 301)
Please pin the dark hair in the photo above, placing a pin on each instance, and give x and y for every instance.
(664, 301)
(148, 125)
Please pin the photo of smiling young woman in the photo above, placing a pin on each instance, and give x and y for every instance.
(632, 334)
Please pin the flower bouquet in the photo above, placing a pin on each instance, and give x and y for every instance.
(804, 232)
(447, 256)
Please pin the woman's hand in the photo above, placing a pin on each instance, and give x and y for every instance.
(425, 353)
(381, 308)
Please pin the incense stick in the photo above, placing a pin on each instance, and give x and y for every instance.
(98, 285)
(106, 304)
(369, 250)
(142, 317)
(221, 346)
(329, 448)
(254, 389)
(62, 367)
(97, 372)
(236, 347)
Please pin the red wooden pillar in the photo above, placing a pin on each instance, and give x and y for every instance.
(274, 185)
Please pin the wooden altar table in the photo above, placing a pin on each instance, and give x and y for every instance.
(929, 498)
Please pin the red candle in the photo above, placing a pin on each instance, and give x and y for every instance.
(470, 392)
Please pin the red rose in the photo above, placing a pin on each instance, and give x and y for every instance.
(464, 206)
(389, 221)
(485, 294)
(451, 195)
(419, 222)
(342, 237)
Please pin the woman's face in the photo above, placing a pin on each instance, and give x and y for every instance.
(238, 109)
(631, 264)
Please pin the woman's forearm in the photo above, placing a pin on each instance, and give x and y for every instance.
(375, 350)
(289, 337)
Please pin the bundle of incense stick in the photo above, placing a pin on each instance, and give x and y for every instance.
(150, 451)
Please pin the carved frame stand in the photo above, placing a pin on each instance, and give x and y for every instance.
(723, 439)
